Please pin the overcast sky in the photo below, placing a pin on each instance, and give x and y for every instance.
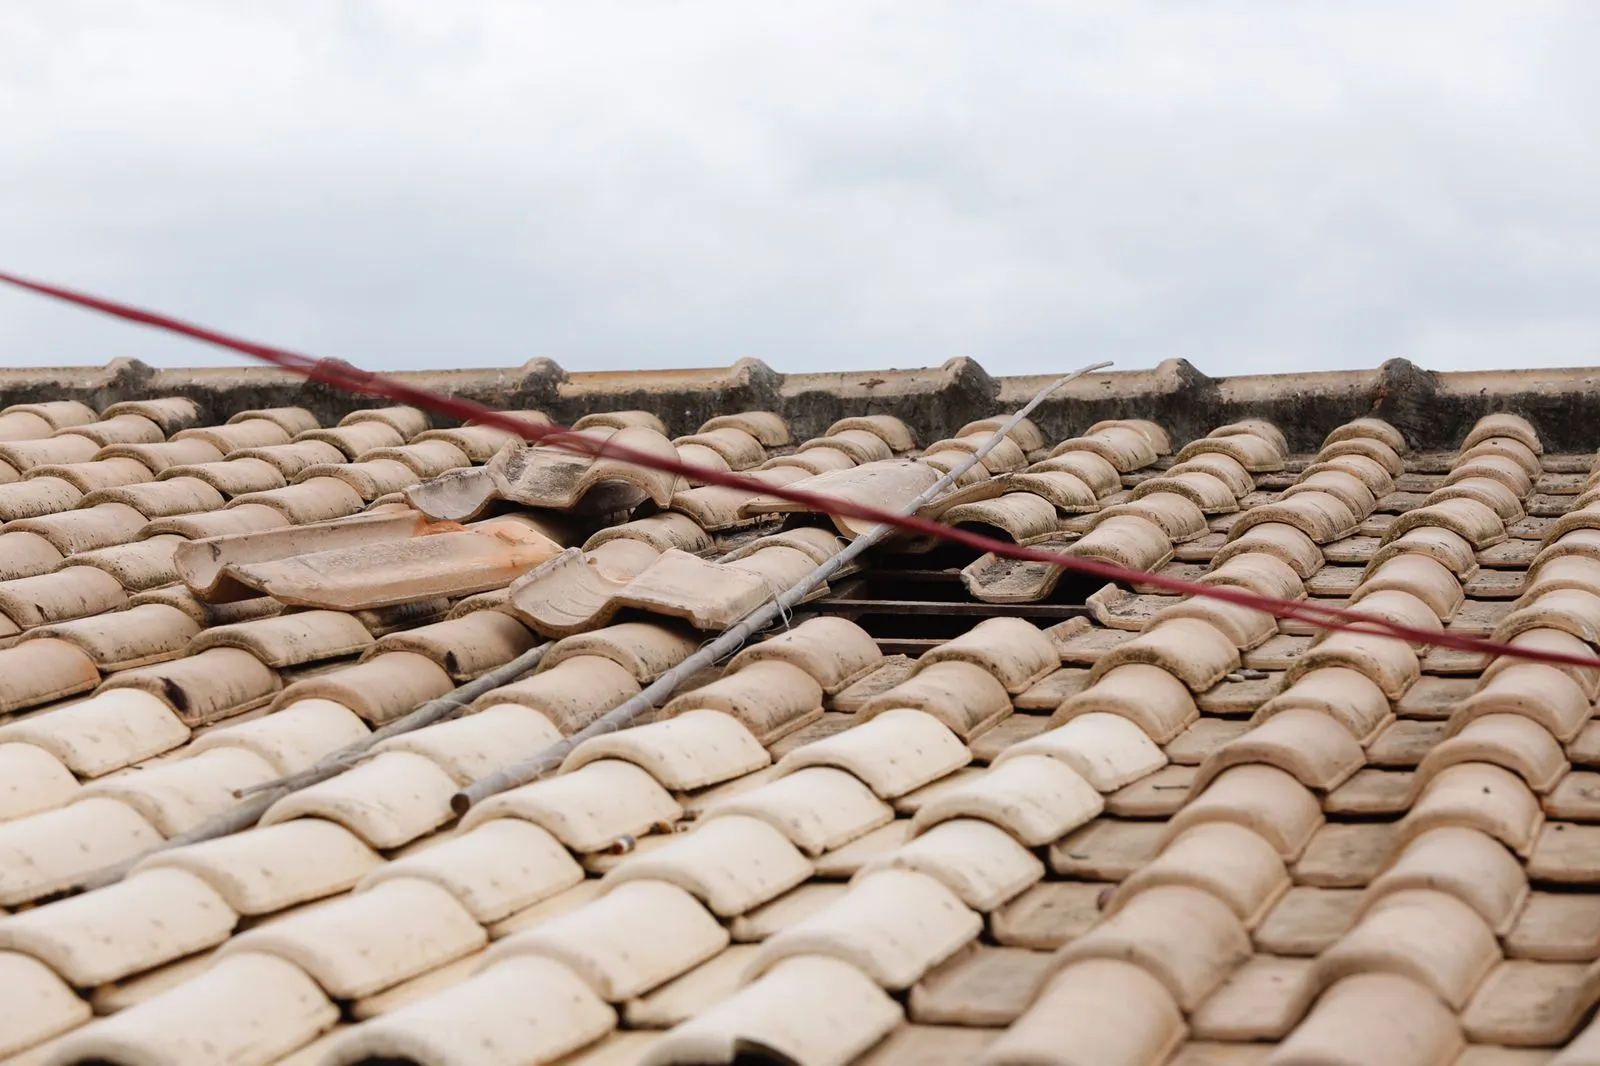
(1253, 186)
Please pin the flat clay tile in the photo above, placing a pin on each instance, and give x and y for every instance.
(894, 925)
(46, 853)
(524, 1009)
(389, 800)
(102, 733)
(627, 942)
(268, 869)
(126, 928)
(572, 694)
(476, 745)
(588, 810)
(1096, 1012)
(379, 689)
(1048, 915)
(32, 780)
(396, 571)
(248, 1008)
(732, 864)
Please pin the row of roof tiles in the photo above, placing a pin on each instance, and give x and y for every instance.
(895, 926)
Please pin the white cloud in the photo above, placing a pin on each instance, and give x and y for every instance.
(1252, 186)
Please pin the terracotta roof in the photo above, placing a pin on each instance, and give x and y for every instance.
(953, 810)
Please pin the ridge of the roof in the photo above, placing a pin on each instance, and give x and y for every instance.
(1432, 408)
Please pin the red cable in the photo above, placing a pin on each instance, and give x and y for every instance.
(342, 375)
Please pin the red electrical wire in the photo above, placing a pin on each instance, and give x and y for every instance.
(344, 376)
